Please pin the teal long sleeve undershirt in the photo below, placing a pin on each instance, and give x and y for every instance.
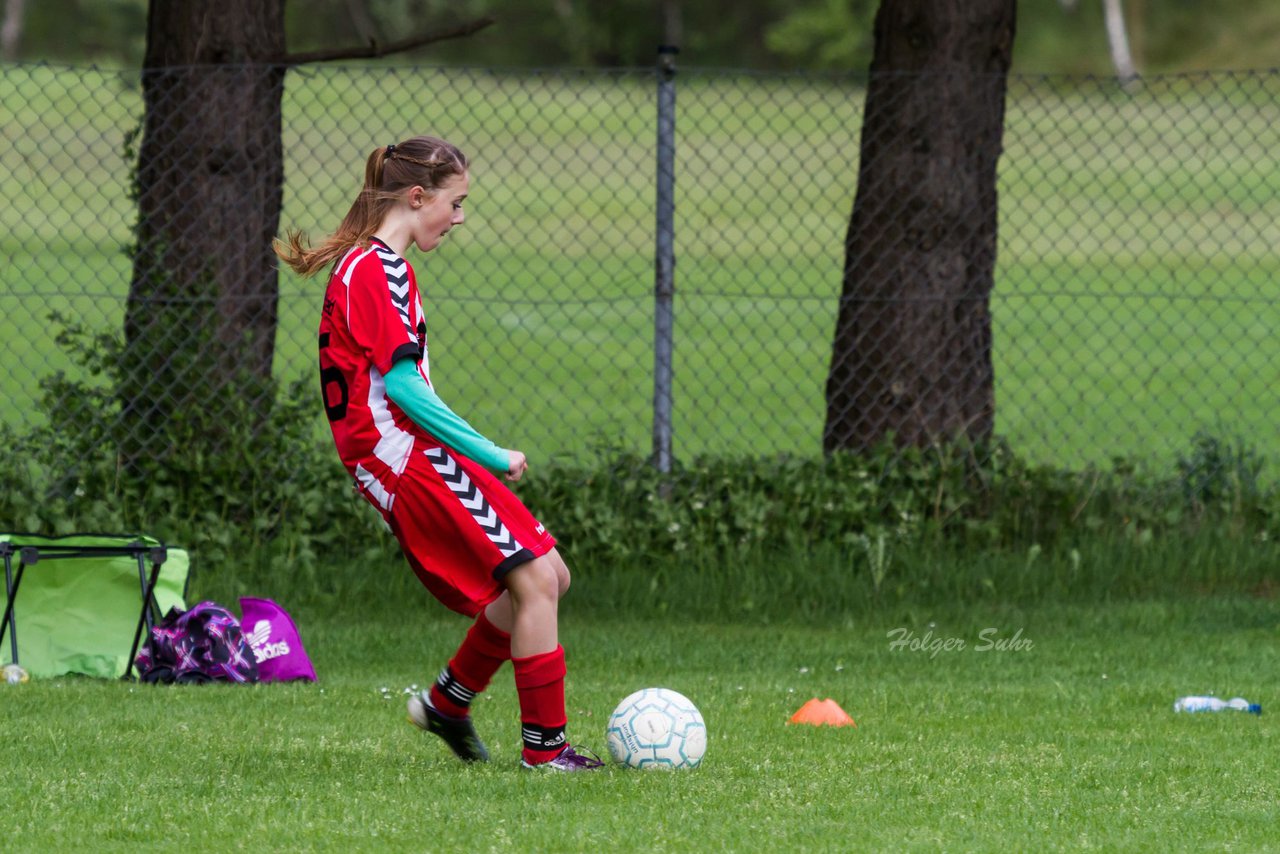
(409, 391)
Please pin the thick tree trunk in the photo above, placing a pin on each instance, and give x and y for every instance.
(200, 322)
(911, 357)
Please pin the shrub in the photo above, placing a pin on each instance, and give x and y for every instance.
(267, 495)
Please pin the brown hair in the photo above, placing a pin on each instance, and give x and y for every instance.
(422, 161)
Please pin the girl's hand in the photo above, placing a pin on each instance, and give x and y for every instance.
(519, 465)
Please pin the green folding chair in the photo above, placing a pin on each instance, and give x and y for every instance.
(85, 599)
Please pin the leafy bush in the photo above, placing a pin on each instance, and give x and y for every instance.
(259, 486)
(267, 497)
(622, 509)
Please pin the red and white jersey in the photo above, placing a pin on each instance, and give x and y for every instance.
(372, 317)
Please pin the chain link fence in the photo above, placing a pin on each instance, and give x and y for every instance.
(1135, 301)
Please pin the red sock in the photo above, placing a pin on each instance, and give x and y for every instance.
(468, 673)
(540, 686)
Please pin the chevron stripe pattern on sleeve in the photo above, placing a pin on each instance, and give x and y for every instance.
(397, 270)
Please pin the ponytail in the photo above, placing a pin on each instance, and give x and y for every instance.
(422, 161)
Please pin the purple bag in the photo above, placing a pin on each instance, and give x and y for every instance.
(273, 637)
(204, 644)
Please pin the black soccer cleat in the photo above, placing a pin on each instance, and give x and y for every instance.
(458, 733)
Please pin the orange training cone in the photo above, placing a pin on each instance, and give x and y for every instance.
(822, 713)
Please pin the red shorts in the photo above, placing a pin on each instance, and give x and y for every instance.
(461, 529)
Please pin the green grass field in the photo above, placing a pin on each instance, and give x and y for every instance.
(1134, 302)
(1060, 737)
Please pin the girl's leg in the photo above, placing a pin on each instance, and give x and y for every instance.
(487, 644)
(470, 670)
(536, 655)
(501, 611)
(445, 709)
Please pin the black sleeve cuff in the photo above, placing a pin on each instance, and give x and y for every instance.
(404, 351)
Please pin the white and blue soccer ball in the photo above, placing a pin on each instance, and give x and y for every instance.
(657, 728)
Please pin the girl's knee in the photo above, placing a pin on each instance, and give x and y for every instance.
(537, 579)
(545, 577)
(561, 570)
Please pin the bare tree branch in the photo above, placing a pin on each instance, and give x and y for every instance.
(374, 50)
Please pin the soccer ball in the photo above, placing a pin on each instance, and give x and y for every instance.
(657, 728)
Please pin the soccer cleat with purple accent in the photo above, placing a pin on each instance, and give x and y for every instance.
(458, 733)
(567, 760)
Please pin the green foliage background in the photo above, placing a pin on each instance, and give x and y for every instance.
(1165, 35)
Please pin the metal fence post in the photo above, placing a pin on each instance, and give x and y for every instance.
(664, 266)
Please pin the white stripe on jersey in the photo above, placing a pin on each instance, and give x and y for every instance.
(350, 261)
(375, 488)
(395, 445)
(354, 255)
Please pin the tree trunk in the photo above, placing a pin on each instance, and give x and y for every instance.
(911, 357)
(11, 29)
(1118, 42)
(200, 322)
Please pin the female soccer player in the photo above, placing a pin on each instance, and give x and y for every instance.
(470, 541)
